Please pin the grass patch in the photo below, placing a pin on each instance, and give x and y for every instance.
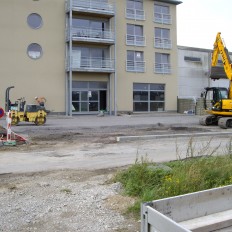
(149, 181)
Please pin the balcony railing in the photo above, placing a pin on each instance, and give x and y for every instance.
(87, 34)
(162, 68)
(93, 6)
(162, 43)
(163, 18)
(135, 14)
(135, 66)
(92, 64)
(135, 40)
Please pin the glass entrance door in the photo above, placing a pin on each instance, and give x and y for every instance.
(89, 97)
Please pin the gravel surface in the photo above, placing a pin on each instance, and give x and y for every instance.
(62, 201)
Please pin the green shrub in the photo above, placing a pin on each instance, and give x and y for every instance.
(149, 181)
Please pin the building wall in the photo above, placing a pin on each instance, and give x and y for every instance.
(46, 76)
(193, 72)
(126, 79)
(41, 77)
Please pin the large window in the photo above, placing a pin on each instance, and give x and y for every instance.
(162, 14)
(89, 28)
(148, 97)
(134, 9)
(162, 63)
(91, 58)
(135, 61)
(162, 38)
(134, 35)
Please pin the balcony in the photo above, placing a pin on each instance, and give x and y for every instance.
(163, 18)
(86, 64)
(162, 43)
(162, 68)
(135, 40)
(135, 14)
(135, 66)
(91, 35)
(91, 6)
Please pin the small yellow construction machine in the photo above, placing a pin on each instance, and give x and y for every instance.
(20, 112)
(218, 100)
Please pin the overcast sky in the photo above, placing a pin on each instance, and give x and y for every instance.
(198, 22)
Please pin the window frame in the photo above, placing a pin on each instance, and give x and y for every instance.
(134, 63)
(160, 16)
(148, 89)
(162, 63)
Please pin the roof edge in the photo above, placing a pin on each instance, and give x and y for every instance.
(174, 2)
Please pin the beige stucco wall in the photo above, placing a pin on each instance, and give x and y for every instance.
(125, 79)
(46, 76)
(42, 77)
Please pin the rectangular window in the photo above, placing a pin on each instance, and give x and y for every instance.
(86, 28)
(91, 58)
(134, 10)
(192, 59)
(148, 97)
(162, 14)
(135, 61)
(134, 35)
(162, 38)
(162, 63)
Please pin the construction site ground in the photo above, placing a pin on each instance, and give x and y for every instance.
(60, 179)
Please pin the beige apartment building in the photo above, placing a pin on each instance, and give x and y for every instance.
(85, 56)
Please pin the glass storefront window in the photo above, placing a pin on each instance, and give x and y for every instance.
(148, 97)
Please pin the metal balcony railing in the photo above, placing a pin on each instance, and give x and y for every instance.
(162, 18)
(88, 34)
(92, 64)
(162, 68)
(135, 40)
(135, 66)
(93, 6)
(135, 14)
(162, 43)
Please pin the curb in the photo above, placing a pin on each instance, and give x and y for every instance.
(147, 137)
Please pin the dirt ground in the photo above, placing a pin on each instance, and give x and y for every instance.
(66, 198)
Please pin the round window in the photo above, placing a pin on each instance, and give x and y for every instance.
(34, 21)
(34, 51)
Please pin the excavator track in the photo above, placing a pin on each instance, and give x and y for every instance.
(225, 122)
(208, 120)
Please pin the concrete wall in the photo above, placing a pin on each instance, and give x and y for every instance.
(193, 77)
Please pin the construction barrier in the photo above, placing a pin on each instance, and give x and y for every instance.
(11, 138)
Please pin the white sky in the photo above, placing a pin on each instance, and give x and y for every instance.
(198, 22)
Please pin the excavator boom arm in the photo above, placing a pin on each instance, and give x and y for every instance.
(220, 48)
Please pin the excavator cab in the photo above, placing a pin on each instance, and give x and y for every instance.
(214, 97)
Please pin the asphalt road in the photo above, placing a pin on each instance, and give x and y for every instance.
(89, 155)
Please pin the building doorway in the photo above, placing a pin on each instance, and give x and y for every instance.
(89, 97)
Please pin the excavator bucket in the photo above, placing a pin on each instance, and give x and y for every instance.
(217, 72)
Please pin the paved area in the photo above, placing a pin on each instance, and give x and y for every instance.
(89, 142)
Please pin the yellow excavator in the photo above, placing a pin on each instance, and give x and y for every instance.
(218, 100)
